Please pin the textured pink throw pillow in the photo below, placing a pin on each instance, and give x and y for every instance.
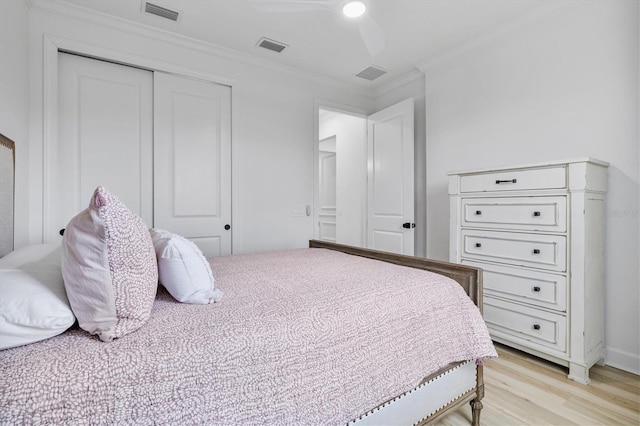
(109, 268)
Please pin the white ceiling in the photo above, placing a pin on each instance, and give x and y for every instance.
(322, 41)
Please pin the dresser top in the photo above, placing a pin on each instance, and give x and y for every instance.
(533, 165)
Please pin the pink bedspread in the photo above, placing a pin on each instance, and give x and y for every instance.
(306, 336)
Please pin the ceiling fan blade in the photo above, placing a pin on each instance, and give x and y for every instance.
(372, 35)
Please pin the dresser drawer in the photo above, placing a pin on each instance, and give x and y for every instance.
(515, 180)
(515, 248)
(532, 287)
(525, 325)
(519, 213)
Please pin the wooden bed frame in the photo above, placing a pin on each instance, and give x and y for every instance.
(432, 392)
(7, 193)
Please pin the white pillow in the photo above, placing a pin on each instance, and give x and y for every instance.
(183, 270)
(33, 301)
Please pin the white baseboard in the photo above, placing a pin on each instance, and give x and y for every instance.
(623, 360)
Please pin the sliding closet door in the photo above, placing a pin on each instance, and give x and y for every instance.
(160, 142)
(192, 166)
(104, 138)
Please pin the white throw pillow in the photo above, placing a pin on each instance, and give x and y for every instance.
(183, 270)
(33, 301)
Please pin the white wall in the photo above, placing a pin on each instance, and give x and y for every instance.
(351, 175)
(14, 98)
(564, 86)
(272, 123)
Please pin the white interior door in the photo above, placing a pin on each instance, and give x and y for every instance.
(104, 138)
(390, 206)
(192, 166)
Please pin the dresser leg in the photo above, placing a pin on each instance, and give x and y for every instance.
(579, 373)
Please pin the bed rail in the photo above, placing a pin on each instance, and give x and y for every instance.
(470, 278)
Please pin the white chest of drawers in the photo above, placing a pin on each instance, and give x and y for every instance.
(537, 231)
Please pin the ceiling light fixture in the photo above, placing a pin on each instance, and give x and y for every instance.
(353, 9)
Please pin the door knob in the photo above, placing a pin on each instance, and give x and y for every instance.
(61, 232)
(227, 227)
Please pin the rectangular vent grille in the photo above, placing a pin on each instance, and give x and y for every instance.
(272, 45)
(163, 12)
(371, 73)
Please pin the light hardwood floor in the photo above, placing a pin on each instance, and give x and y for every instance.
(524, 390)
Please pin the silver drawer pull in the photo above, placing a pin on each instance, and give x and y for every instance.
(536, 326)
(498, 181)
(536, 251)
(536, 289)
(537, 213)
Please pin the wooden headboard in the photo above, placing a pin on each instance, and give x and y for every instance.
(7, 193)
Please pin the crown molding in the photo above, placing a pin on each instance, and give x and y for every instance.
(498, 33)
(399, 82)
(63, 8)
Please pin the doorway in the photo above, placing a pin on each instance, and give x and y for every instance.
(364, 178)
(342, 177)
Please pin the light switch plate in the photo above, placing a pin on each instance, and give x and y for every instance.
(298, 211)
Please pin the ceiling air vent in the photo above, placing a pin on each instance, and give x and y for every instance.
(163, 12)
(272, 45)
(371, 73)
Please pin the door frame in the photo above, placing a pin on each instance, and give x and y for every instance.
(54, 44)
(343, 109)
(326, 212)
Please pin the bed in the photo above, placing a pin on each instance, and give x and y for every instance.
(329, 334)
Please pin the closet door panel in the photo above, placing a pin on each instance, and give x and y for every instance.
(192, 161)
(195, 165)
(104, 138)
